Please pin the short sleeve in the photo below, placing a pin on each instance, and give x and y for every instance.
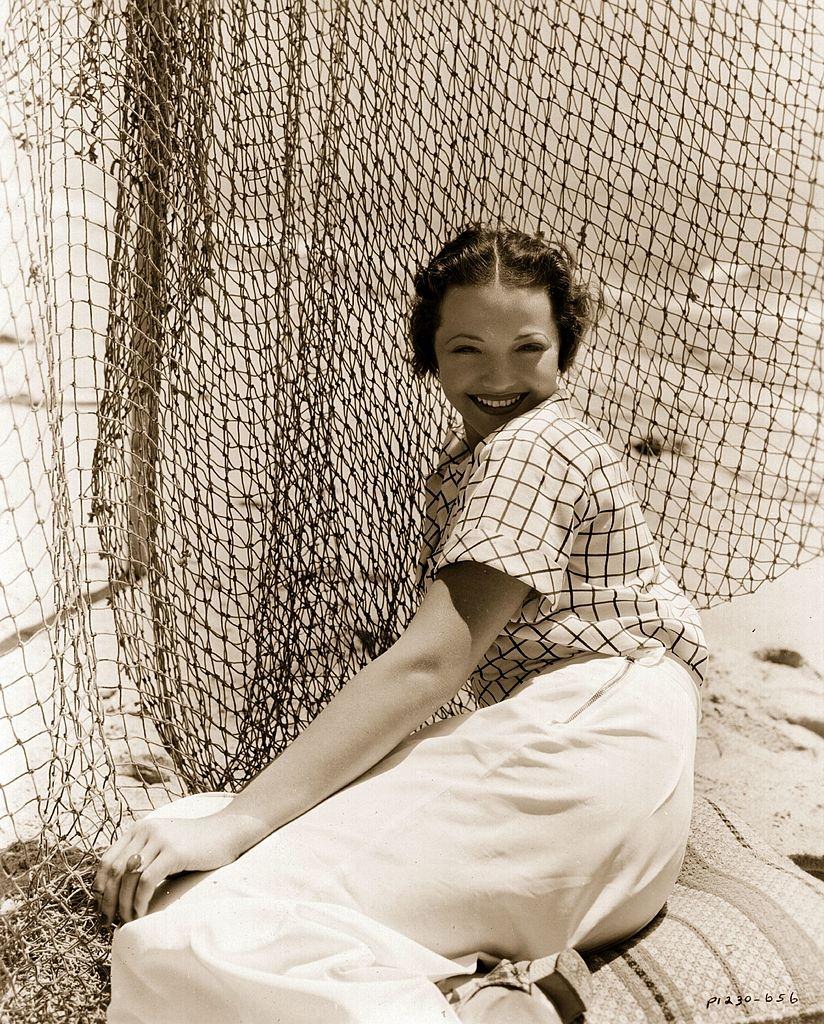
(522, 506)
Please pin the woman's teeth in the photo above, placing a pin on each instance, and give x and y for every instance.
(497, 404)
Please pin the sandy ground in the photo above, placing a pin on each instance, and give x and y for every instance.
(761, 743)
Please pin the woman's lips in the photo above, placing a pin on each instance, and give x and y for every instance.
(498, 409)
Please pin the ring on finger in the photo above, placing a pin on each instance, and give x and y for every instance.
(134, 865)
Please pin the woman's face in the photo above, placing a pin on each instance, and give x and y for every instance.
(497, 353)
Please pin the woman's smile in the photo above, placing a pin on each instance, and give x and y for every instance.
(498, 404)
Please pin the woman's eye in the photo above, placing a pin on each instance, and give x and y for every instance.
(463, 348)
(532, 347)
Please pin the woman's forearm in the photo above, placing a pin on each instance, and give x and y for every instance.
(367, 718)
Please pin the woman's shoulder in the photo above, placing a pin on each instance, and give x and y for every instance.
(552, 430)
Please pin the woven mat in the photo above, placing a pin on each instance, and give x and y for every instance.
(741, 939)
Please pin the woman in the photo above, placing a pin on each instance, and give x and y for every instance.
(365, 863)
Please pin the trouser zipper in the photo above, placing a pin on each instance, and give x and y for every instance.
(601, 690)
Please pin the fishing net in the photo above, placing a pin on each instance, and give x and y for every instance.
(213, 445)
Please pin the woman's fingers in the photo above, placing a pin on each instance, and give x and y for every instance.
(137, 864)
(150, 879)
(107, 878)
(113, 869)
(102, 877)
(151, 851)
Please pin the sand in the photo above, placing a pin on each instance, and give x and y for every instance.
(761, 742)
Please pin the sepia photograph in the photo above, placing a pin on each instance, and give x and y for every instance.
(411, 525)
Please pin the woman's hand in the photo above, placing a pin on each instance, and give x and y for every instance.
(151, 850)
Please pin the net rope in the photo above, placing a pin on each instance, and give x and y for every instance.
(213, 447)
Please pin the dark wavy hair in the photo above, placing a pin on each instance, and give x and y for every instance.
(482, 254)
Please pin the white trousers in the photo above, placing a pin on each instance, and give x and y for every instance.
(558, 817)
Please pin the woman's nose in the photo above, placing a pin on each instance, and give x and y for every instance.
(498, 376)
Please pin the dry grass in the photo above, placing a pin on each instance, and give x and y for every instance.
(54, 954)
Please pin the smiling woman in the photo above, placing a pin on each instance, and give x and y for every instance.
(393, 854)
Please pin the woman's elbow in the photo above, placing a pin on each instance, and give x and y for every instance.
(429, 676)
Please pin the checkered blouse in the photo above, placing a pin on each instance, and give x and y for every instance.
(545, 499)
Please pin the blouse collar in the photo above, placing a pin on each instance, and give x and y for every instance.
(456, 447)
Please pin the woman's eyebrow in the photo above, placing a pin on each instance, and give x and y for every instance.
(473, 337)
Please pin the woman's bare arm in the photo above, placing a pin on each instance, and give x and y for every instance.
(463, 612)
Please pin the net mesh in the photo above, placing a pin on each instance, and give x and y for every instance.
(213, 447)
